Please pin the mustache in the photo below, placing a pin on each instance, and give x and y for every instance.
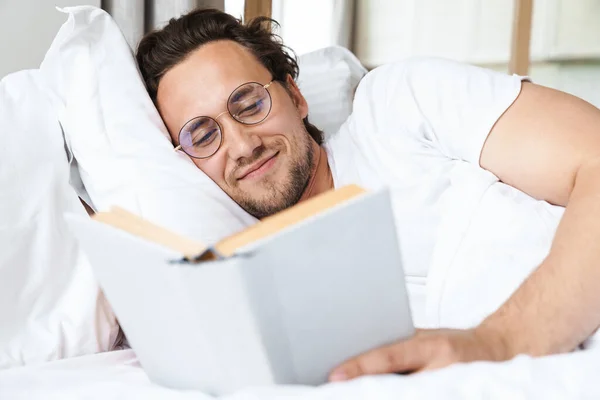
(257, 154)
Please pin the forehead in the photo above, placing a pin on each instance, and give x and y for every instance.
(203, 81)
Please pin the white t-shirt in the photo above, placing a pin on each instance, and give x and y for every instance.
(416, 127)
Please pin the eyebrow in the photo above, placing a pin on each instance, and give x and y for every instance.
(198, 123)
(241, 93)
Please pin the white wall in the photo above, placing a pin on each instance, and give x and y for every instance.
(476, 31)
(307, 25)
(235, 8)
(27, 28)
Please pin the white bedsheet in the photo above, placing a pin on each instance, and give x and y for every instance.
(117, 375)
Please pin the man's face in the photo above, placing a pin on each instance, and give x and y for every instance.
(264, 167)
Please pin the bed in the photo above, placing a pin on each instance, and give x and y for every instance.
(76, 372)
(117, 375)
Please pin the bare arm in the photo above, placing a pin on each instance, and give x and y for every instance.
(548, 145)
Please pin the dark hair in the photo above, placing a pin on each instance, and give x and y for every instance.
(161, 50)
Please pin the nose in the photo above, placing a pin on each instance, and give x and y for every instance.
(238, 140)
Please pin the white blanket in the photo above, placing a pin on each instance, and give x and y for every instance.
(117, 375)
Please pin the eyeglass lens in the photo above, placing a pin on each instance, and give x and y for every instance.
(249, 104)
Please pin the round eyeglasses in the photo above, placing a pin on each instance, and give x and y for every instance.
(249, 104)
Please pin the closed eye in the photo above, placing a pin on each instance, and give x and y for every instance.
(206, 139)
(252, 108)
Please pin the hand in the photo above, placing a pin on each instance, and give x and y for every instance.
(426, 350)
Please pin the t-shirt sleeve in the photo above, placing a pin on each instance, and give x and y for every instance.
(445, 105)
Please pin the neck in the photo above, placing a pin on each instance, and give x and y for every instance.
(321, 179)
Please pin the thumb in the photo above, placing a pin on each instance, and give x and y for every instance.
(404, 356)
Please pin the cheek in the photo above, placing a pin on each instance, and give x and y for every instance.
(283, 128)
(213, 167)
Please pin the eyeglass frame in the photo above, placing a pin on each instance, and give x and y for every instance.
(266, 87)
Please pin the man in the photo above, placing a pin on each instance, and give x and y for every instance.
(227, 95)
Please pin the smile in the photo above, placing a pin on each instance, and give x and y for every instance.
(259, 168)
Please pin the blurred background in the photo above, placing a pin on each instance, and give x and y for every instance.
(564, 47)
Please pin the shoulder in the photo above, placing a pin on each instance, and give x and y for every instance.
(430, 68)
(408, 82)
(435, 84)
(430, 73)
(400, 86)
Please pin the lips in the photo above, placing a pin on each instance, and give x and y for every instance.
(255, 166)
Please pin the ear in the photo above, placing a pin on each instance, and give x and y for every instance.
(297, 98)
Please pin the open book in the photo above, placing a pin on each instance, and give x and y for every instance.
(283, 301)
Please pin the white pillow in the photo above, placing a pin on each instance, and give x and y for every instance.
(50, 304)
(124, 152)
(328, 79)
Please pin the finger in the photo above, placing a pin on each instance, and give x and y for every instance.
(405, 356)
